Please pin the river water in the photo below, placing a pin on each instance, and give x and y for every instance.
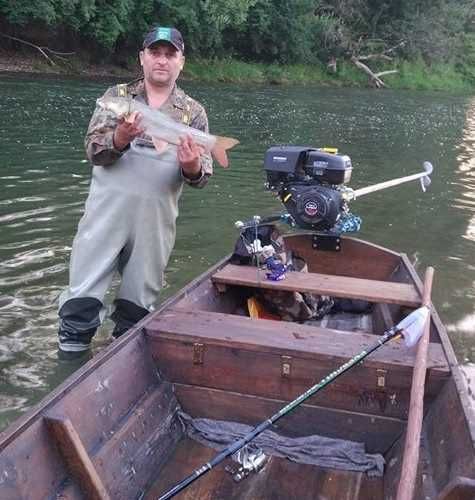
(44, 180)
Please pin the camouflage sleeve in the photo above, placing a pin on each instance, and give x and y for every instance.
(199, 120)
(99, 142)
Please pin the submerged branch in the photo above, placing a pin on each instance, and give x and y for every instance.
(374, 78)
(375, 56)
(387, 72)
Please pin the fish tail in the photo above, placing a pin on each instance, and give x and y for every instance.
(221, 146)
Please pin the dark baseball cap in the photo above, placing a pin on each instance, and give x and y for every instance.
(159, 34)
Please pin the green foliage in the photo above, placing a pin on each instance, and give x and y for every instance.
(104, 21)
(433, 30)
(418, 75)
(466, 60)
(429, 34)
(22, 11)
(230, 70)
(225, 70)
(206, 23)
(280, 31)
(108, 22)
(76, 13)
(415, 75)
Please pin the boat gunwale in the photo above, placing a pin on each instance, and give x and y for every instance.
(462, 394)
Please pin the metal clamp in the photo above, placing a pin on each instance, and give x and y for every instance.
(327, 242)
(198, 353)
(285, 366)
(381, 378)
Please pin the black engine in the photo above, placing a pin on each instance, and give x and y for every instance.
(308, 182)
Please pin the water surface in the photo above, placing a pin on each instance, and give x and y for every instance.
(44, 181)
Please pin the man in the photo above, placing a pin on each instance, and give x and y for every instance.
(129, 220)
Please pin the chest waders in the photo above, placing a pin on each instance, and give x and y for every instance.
(128, 226)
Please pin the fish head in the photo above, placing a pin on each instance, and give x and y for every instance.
(118, 105)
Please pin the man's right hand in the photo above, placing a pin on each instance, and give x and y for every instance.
(127, 130)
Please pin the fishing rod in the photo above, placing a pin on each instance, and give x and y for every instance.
(410, 328)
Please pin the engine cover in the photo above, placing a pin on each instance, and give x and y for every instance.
(312, 206)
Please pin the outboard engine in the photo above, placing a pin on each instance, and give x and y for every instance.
(309, 183)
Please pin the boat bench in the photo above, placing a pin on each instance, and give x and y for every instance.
(280, 360)
(376, 291)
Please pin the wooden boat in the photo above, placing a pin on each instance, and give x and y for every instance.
(102, 433)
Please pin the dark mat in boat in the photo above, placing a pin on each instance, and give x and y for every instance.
(312, 450)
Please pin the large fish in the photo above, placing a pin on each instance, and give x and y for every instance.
(164, 130)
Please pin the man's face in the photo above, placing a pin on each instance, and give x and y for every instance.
(161, 63)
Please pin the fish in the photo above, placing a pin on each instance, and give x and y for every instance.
(164, 130)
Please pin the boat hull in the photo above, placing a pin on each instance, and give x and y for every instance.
(102, 433)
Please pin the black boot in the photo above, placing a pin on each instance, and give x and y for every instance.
(125, 316)
(78, 322)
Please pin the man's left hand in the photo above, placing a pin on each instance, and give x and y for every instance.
(189, 155)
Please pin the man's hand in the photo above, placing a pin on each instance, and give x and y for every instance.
(127, 130)
(189, 154)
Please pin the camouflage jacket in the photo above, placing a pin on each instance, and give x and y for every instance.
(99, 143)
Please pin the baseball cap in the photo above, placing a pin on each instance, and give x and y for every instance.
(170, 35)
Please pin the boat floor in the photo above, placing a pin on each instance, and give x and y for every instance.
(279, 479)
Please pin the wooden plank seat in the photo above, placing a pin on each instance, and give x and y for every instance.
(323, 284)
(236, 353)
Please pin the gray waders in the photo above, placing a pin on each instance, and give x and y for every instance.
(128, 226)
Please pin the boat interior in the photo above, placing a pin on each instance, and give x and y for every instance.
(112, 431)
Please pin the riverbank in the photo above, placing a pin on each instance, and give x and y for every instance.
(22, 62)
(412, 75)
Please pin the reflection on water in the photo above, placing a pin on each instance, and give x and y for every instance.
(466, 169)
(44, 179)
(462, 326)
